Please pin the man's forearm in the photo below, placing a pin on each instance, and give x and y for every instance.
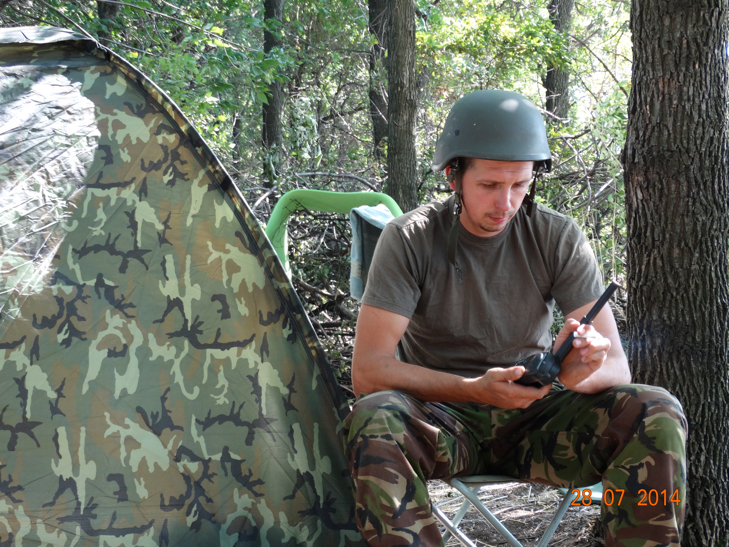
(374, 368)
(425, 384)
(614, 371)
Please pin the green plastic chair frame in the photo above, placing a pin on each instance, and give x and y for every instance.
(317, 200)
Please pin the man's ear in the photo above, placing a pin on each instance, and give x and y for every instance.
(450, 178)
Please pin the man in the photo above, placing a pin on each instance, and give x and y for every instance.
(463, 289)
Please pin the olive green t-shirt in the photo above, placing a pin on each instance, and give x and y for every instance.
(501, 310)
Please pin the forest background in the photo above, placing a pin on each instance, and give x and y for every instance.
(295, 95)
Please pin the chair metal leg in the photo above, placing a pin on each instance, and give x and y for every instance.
(488, 515)
(471, 495)
(462, 510)
(557, 518)
(445, 521)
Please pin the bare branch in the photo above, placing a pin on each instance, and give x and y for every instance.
(585, 132)
(312, 289)
(264, 196)
(79, 27)
(335, 114)
(548, 113)
(176, 19)
(344, 312)
(583, 44)
(341, 176)
(173, 6)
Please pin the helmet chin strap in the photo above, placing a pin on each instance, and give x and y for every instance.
(541, 168)
(455, 175)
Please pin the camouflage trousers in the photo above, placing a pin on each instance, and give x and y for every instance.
(631, 437)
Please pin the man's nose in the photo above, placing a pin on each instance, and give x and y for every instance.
(503, 199)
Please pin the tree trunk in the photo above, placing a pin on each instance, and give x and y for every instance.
(108, 12)
(402, 166)
(557, 80)
(272, 128)
(378, 99)
(3, 4)
(677, 220)
(237, 138)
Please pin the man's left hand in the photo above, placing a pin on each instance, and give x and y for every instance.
(590, 350)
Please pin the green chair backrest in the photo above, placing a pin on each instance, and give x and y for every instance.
(317, 200)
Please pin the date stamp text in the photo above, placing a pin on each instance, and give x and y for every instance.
(650, 497)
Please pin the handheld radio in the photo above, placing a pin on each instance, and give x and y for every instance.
(543, 368)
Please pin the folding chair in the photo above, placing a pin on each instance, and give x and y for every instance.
(469, 488)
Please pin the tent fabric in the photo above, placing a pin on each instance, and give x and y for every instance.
(161, 383)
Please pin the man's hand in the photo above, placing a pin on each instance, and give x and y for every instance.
(589, 353)
(597, 360)
(498, 387)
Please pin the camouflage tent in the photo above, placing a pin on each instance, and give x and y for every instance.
(160, 381)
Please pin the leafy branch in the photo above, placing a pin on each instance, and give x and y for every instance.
(209, 34)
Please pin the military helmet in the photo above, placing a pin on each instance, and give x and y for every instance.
(493, 125)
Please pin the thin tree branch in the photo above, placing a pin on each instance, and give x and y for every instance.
(173, 6)
(125, 46)
(176, 19)
(335, 114)
(79, 27)
(585, 132)
(309, 44)
(331, 298)
(3, 4)
(341, 176)
(344, 312)
(583, 44)
(312, 289)
(264, 196)
(548, 113)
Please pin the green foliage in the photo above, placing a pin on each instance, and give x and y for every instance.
(208, 56)
(480, 45)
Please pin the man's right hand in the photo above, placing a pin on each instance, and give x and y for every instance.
(499, 388)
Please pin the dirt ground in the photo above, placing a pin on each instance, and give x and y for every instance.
(525, 509)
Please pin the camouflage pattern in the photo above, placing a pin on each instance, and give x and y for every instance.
(161, 382)
(631, 437)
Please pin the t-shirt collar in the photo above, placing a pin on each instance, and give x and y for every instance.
(465, 235)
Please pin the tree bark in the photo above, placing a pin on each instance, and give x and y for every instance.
(557, 80)
(237, 138)
(402, 167)
(108, 12)
(272, 127)
(378, 99)
(677, 184)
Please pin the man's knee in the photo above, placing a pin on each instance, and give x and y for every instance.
(375, 414)
(380, 400)
(652, 404)
(379, 404)
(655, 415)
